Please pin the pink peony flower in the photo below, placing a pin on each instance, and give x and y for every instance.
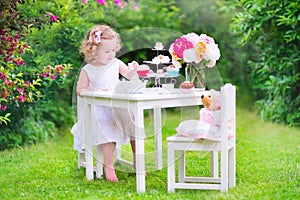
(207, 39)
(180, 45)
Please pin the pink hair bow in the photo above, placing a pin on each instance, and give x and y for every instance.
(98, 37)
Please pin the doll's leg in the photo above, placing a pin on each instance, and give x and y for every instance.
(108, 151)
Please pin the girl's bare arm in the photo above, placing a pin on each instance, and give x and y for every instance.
(83, 82)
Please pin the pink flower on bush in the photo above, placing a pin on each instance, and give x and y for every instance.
(8, 83)
(54, 18)
(3, 76)
(44, 75)
(22, 98)
(135, 7)
(52, 77)
(58, 69)
(20, 90)
(118, 3)
(19, 61)
(103, 2)
(84, 1)
(3, 107)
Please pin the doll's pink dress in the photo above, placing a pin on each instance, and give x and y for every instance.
(108, 125)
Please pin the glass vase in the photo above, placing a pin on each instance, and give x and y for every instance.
(201, 78)
(187, 84)
(195, 72)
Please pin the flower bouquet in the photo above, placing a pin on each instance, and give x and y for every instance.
(199, 51)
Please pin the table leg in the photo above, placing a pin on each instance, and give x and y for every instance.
(140, 151)
(88, 143)
(158, 137)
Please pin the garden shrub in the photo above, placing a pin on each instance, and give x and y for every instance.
(54, 30)
(273, 27)
(23, 86)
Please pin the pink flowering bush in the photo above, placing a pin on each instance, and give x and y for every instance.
(23, 86)
(17, 87)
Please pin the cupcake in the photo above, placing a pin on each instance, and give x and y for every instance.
(160, 59)
(158, 46)
(186, 86)
(172, 71)
(142, 70)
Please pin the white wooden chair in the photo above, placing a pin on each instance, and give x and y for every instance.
(99, 164)
(226, 147)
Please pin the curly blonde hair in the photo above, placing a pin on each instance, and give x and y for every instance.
(93, 39)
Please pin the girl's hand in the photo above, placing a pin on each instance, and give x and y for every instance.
(133, 65)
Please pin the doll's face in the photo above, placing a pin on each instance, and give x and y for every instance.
(206, 100)
(106, 51)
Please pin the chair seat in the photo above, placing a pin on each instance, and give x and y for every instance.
(183, 142)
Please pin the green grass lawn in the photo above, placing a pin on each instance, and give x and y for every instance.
(268, 166)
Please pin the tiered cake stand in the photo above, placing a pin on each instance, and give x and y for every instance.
(157, 75)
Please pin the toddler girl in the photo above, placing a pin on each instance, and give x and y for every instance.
(101, 72)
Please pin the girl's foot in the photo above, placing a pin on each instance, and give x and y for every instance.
(110, 174)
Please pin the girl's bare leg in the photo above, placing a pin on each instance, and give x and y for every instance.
(108, 152)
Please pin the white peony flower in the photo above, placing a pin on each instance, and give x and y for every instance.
(192, 37)
(189, 55)
(212, 52)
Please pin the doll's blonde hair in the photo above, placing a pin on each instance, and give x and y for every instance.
(93, 39)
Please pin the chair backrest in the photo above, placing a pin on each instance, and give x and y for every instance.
(228, 110)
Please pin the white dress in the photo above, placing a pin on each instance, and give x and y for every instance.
(108, 125)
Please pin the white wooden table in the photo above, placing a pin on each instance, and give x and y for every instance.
(137, 103)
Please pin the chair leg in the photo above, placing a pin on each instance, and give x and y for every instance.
(232, 167)
(99, 164)
(224, 171)
(118, 154)
(181, 166)
(80, 160)
(171, 168)
(214, 171)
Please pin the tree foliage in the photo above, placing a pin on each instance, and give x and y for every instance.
(273, 28)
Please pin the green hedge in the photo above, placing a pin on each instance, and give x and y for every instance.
(273, 28)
